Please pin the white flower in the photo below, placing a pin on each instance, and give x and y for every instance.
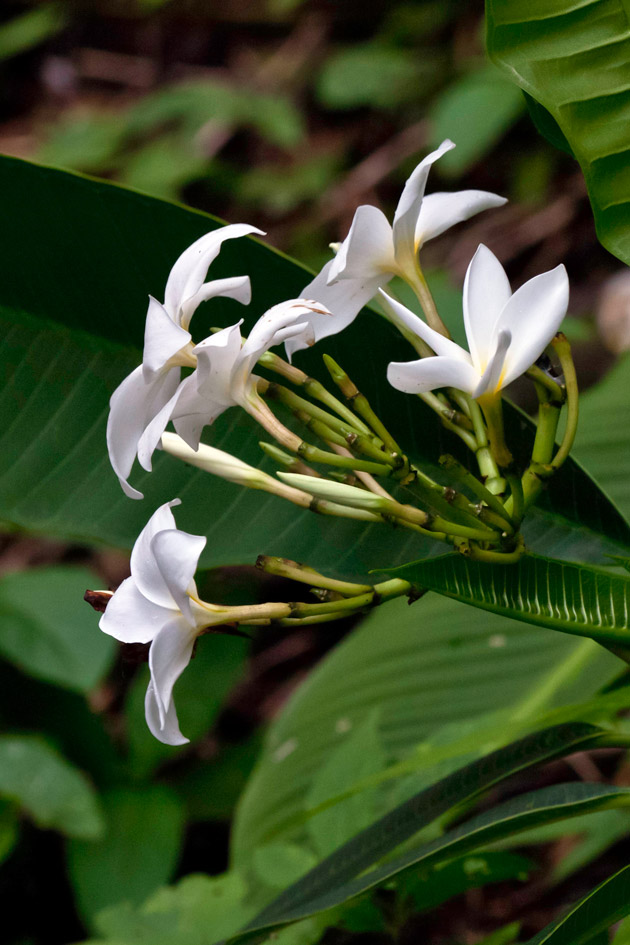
(224, 376)
(168, 346)
(159, 604)
(506, 333)
(374, 251)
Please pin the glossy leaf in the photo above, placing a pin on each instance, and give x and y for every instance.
(592, 915)
(68, 337)
(47, 788)
(538, 807)
(572, 58)
(46, 628)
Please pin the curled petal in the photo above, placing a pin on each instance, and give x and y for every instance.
(271, 329)
(418, 377)
(188, 273)
(493, 378)
(486, 293)
(408, 209)
(168, 657)
(238, 288)
(177, 556)
(168, 732)
(441, 211)
(533, 316)
(163, 338)
(144, 567)
(132, 405)
(344, 299)
(130, 617)
(217, 358)
(399, 314)
(368, 249)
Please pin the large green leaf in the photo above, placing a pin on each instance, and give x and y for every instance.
(572, 57)
(592, 915)
(72, 326)
(586, 601)
(324, 888)
(431, 667)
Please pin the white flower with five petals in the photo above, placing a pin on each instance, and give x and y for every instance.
(224, 376)
(375, 251)
(168, 346)
(159, 605)
(506, 332)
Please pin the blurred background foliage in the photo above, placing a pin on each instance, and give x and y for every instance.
(287, 114)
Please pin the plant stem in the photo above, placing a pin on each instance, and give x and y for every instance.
(283, 567)
(423, 294)
(563, 350)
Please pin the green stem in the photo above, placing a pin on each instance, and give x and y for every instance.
(449, 421)
(314, 455)
(378, 594)
(485, 460)
(477, 488)
(423, 293)
(497, 557)
(492, 407)
(563, 350)
(283, 567)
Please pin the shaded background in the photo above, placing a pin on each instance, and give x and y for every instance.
(285, 114)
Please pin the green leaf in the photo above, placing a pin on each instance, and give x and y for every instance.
(572, 58)
(47, 630)
(65, 351)
(30, 29)
(592, 915)
(358, 754)
(280, 864)
(136, 854)
(368, 74)
(548, 805)
(83, 142)
(9, 829)
(582, 600)
(49, 789)
(211, 790)
(547, 125)
(478, 109)
(425, 668)
(199, 695)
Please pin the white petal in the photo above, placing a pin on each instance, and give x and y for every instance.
(238, 288)
(162, 339)
(368, 249)
(192, 413)
(400, 314)
(130, 617)
(177, 556)
(441, 211)
(169, 732)
(486, 293)
(189, 272)
(533, 316)
(168, 657)
(270, 330)
(493, 377)
(144, 568)
(132, 405)
(418, 377)
(217, 358)
(408, 209)
(344, 299)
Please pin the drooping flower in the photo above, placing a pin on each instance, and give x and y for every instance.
(159, 605)
(374, 251)
(506, 332)
(224, 377)
(168, 346)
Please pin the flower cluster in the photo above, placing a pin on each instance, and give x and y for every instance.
(506, 332)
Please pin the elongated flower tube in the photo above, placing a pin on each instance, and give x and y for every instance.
(375, 251)
(506, 332)
(168, 346)
(224, 375)
(159, 605)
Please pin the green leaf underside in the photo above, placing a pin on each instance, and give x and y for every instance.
(574, 599)
(72, 332)
(538, 807)
(400, 824)
(596, 912)
(572, 58)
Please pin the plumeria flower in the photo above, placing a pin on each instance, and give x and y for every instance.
(168, 346)
(506, 332)
(375, 251)
(159, 605)
(224, 375)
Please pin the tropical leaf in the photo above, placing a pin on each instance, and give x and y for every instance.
(571, 57)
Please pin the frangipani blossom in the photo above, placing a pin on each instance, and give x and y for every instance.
(506, 332)
(374, 251)
(224, 375)
(159, 605)
(168, 346)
